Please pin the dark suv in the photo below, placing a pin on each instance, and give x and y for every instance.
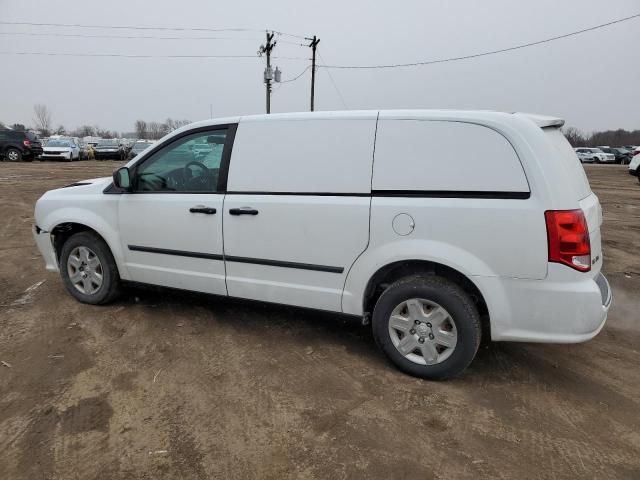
(16, 146)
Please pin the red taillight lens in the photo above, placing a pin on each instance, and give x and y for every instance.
(568, 238)
(26, 143)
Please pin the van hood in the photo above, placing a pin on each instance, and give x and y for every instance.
(83, 186)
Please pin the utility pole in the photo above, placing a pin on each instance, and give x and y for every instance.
(268, 73)
(314, 43)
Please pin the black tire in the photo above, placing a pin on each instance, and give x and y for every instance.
(448, 295)
(111, 287)
(13, 152)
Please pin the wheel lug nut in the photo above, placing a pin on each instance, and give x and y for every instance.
(417, 322)
(431, 337)
(421, 340)
(428, 325)
(412, 331)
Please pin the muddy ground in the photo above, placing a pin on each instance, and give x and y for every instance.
(180, 386)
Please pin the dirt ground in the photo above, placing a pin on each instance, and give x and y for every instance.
(179, 386)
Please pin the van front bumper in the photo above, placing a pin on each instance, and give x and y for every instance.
(566, 307)
(45, 245)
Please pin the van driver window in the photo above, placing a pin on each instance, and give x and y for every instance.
(190, 164)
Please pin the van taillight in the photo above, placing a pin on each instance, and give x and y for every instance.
(26, 143)
(568, 238)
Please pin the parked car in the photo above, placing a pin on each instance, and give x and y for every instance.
(109, 149)
(634, 165)
(598, 155)
(138, 147)
(627, 155)
(16, 145)
(61, 149)
(585, 157)
(428, 255)
(622, 156)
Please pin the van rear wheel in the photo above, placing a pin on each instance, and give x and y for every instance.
(427, 326)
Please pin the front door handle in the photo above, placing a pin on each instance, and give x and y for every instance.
(202, 209)
(243, 211)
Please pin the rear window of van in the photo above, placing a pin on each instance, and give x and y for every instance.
(427, 155)
(574, 172)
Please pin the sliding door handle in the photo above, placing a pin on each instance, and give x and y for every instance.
(202, 209)
(243, 211)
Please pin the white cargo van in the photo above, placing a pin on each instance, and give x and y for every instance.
(435, 225)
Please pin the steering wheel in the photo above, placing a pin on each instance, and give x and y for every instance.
(196, 183)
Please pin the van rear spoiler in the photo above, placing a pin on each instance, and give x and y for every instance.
(543, 121)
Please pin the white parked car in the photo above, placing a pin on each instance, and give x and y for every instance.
(594, 155)
(370, 214)
(66, 149)
(585, 157)
(634, 166)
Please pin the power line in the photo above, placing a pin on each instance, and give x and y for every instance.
(483, 54)
(135, 37)
(58, 54)
(66, 54)
(335, 85)
(301, 37)
(297, 76)
(137, 27)
(134, 27)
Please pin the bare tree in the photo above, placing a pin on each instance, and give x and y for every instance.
(61, 130)
(170, 125)
(156, 130)
(19, 127)
(181, 123)
(103, 133)
(85, 131)
(575, 137)
(141, 129)
(42, 119)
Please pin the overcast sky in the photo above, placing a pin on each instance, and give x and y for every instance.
(591, 80)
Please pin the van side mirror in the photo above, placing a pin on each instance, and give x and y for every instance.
(121, 179)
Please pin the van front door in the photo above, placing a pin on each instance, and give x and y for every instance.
(171, 224)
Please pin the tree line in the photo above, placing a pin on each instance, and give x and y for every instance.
(42, 122)
(611, 138)
(155, 130)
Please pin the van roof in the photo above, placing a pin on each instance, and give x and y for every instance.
(541, 121)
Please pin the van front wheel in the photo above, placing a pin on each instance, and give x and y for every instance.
(88, 269)
(427, 326)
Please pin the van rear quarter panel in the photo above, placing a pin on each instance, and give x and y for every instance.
(479, 237)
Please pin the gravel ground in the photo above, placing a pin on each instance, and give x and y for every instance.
(176, 386)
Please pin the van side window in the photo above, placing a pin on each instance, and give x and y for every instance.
(305, 156)
(426, 155)
(190, 164)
